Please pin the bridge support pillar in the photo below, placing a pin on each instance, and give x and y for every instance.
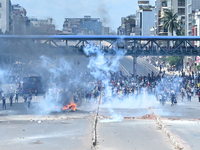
(135, 60)
(83, 43)
(66, 43)
(135, 66)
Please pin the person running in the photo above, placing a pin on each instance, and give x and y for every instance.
(4, 102)
(173, 98)
(11, 99)
(182, 94)
(16, 97)
(29, 100)
(25, 98)
(189, 96)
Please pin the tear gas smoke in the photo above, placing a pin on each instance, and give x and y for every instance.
(114, 117)
(101, 66)
(56, 69)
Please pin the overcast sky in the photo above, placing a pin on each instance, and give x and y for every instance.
(109, 11)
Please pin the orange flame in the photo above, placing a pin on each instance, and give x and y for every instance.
(72, 106)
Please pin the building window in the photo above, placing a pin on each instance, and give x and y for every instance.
(181, 11)
(181, 2)
(164, 4)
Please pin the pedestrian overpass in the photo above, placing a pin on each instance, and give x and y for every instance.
(132, 45)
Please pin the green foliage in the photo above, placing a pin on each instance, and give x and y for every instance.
(171, 21)
(198, 67)
(175, 60)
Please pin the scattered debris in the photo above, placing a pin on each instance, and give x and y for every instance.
(148, 116)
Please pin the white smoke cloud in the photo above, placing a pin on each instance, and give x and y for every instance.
(101, 66)
(114, 117)
(56, 69)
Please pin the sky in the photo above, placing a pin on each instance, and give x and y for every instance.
(109, 11)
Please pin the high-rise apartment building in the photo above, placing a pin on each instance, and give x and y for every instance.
(86, 25)
(195, 5)
(160, 7)
(185, 10)
(145, 18)
(19, 20)
(5, 11)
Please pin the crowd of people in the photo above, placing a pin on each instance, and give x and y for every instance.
(164, 87)
(82, 86)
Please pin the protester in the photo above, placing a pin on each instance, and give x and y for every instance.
(4, 102)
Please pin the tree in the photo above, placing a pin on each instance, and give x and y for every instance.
(175, 60)
(198, 67)
(170, 20)
(181, 30)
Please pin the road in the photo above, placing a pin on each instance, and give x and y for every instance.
(182, 120)
(24, 128)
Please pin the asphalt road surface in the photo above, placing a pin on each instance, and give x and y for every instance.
(24, 128)
(183, 121)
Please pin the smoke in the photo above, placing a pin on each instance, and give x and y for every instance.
(133, 101)
(104, 14)
(101, 66)
(114, 117)
(147, 101)
(53, 101)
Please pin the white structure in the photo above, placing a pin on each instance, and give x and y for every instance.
(152, 31)
(18, 10)
(4, 15)
(145, 18)
(39, 22)
(197, 26)
(195, 5)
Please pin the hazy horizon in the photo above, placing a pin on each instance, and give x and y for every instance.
(109, 11)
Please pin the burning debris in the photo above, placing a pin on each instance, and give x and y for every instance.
(72, 106)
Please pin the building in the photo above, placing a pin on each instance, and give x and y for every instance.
(195, 5)
(105, 30)
(5, 11)
(121, 29)
(42, 26)
(19, 23)
(85, 26)
(160, 8)
(92, 24)
(196, 27)
(128, 25)
(185, 10)
(145, 18)
(18, 10)
(72, 25)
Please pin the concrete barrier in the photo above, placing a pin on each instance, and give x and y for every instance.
(169, 135)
